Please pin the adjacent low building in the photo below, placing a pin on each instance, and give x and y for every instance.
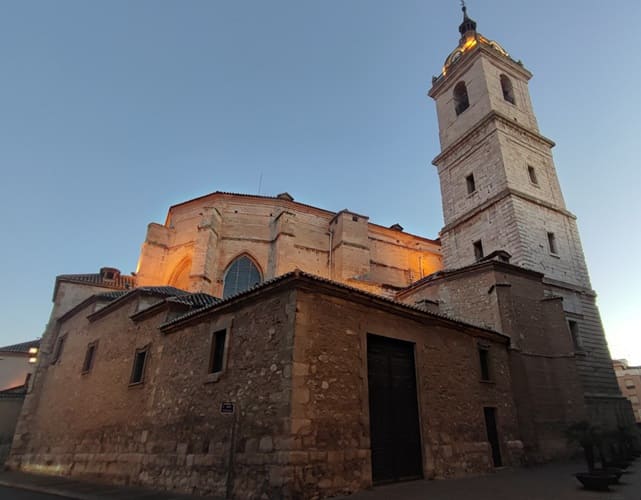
(629, 378)
(17, 363)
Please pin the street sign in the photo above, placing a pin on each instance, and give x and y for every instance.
(227, 407)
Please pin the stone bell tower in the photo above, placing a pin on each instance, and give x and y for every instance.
(500, 191)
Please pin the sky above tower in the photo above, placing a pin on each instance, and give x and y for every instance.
(112, 111)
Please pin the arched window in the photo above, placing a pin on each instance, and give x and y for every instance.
(241, 275)
(508, 90)
(461, 101)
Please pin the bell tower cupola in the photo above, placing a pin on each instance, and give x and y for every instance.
(468, 25)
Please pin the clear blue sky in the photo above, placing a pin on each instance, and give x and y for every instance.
(111, 111)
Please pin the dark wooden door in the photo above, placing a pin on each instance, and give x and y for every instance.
(493, 435)
(393, 410)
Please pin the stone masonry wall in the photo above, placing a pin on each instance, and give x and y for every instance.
(547, 388)
(280, 236)
(330, 409)
(606, 404)
(167, 432)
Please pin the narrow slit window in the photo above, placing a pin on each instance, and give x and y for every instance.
(478, 250)
(470, 183)
(57, 352)
(532, 173)
(484, 359)
(138, 369)
(552, 243)
(217, 353)
(461, 100)
(574, 333)
(89, 357)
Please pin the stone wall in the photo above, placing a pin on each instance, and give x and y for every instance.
(295, 369)
(547, 387)
(330, 411)
(206, 234)
(167, 432)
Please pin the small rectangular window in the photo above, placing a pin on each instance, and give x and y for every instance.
(138, 369)
(484, 358)
(89, 357)
(532, 173)
(552, 243)
(629, 383)
(217, 353)
(57, 352)
(574, 332)
(471, 185)
(478, 250)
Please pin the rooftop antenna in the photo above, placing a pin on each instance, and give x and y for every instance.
(260, 182)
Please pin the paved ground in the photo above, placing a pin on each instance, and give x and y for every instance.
(549, 482)
(78, 490)
(13, 494)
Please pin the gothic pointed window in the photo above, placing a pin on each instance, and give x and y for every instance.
(508, 90)
(461, 101)
(241, 275)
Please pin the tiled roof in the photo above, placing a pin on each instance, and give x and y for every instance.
(319, 279)
(162, 291)
(14, 392)
(259, 196)
(456, 270)
(112, 295)
(22, 347)
(195, 299)
(120, 282)
(292, 202)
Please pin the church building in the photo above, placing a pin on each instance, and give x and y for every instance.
(265, 348)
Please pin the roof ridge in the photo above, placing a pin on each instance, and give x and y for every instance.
(299, 273)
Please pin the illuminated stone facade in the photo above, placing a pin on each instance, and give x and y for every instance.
(355, 354)
(201, 237)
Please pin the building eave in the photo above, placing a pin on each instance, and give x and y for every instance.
(311, 282)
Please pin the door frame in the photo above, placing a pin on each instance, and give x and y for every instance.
(418, 390)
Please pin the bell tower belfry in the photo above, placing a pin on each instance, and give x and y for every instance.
(500, 191)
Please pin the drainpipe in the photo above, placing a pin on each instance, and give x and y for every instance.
(331, 244)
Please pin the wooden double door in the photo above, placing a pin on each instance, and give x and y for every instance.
(393, 408)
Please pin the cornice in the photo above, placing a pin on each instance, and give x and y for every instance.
(501, 195)
(509, 64)
(492, 116)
